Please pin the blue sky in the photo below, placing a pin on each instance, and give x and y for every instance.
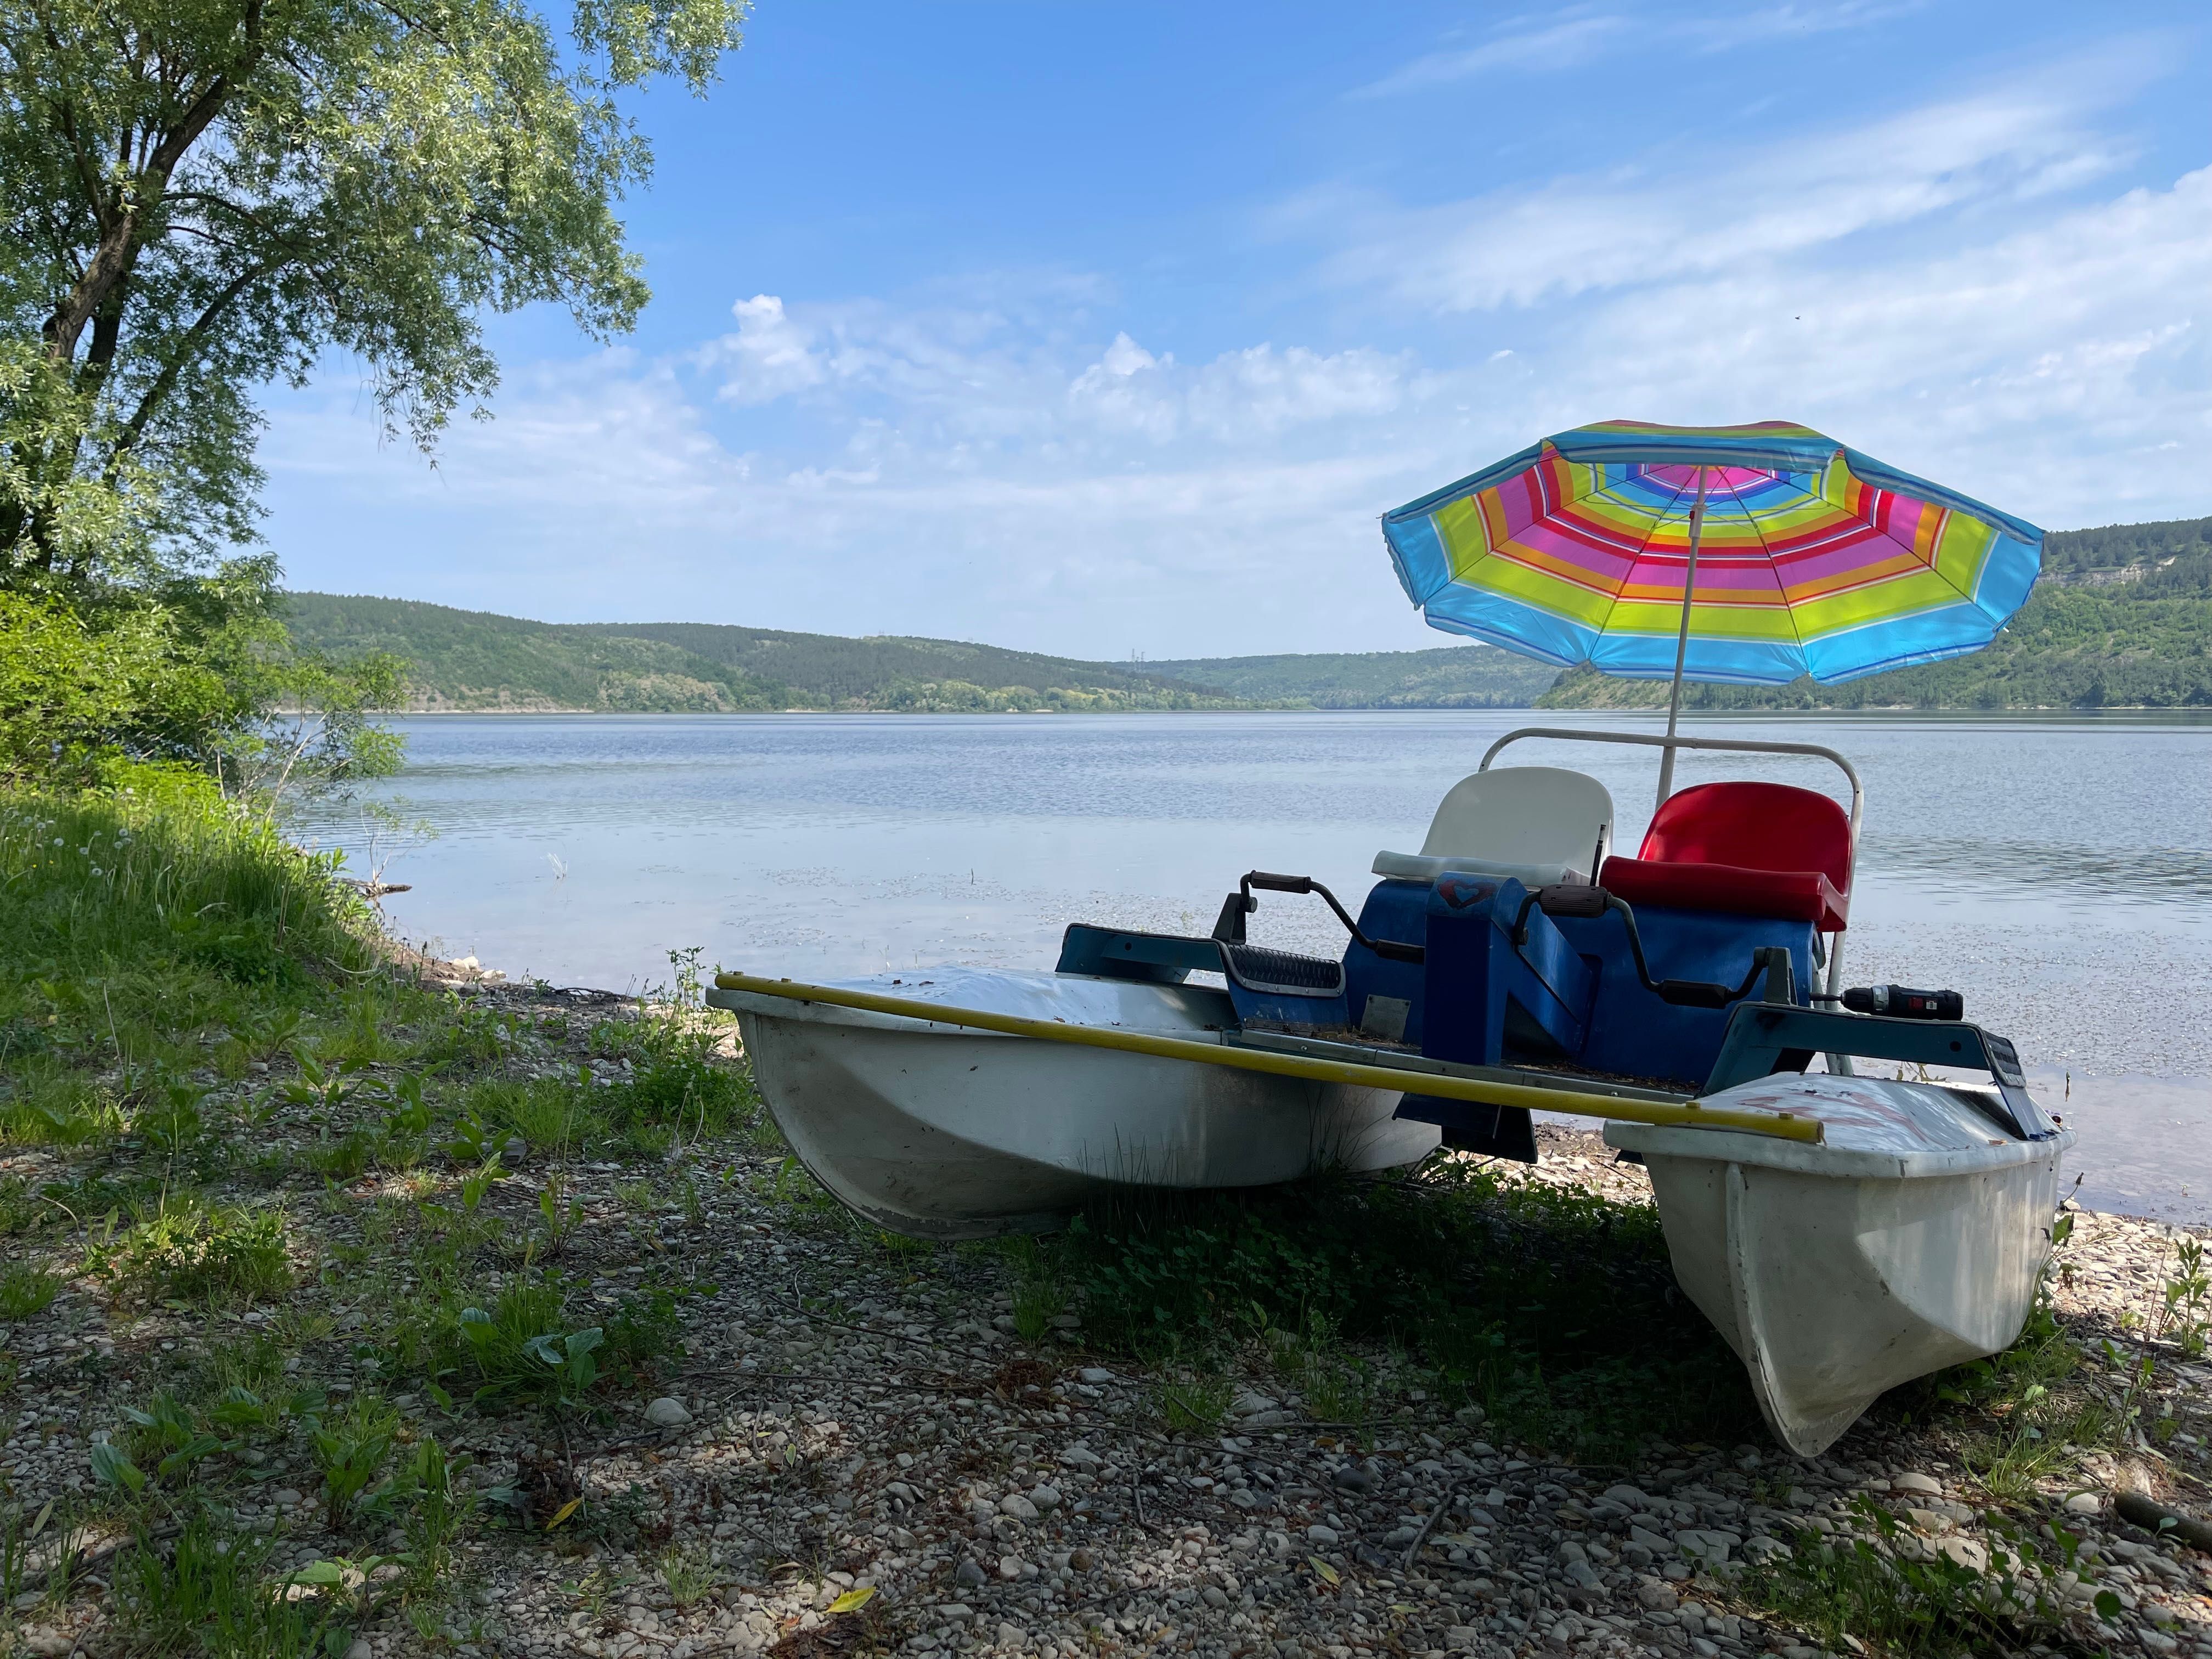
(1102, 330)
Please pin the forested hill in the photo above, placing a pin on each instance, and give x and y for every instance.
(2122, 617)
(474, 659)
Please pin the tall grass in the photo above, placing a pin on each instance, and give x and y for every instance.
(138, 915)
(164, 866)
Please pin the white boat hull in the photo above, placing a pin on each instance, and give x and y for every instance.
(945, 1132)
(1838, 1272)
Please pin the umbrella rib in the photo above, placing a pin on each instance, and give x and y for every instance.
(1933, 567)
(1657, 519)
(1789, 610)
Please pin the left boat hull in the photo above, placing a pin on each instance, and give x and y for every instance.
(945, 1132)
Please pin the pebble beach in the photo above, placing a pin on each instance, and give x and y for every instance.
(852, 1457)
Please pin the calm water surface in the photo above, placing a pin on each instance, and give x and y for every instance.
(2054, 869)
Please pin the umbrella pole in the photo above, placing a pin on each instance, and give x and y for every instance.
(1681, 647)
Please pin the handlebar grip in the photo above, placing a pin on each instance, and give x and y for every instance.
(1573, 899)
(1903, 1002)
(1261, 879)
(1695, 994)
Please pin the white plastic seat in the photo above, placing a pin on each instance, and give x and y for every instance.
(1538, 824)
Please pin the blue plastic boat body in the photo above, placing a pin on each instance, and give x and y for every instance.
(1500, 983)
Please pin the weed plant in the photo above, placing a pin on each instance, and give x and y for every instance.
(1899, 1595)
(210, 1591)
(224, 1255)
(25, 1289)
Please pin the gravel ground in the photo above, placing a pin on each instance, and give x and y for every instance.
(843, 1424)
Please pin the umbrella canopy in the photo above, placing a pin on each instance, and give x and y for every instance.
(1795, 555)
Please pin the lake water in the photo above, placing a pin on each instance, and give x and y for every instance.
(2054, 869)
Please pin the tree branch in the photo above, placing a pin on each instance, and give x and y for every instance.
(118, 237)
(166, 382)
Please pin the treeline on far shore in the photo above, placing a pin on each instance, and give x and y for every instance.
(2121, 618)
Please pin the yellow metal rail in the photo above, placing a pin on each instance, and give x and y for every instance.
(1782, 1126)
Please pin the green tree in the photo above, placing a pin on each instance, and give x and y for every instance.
(201, 197)
(205, 195)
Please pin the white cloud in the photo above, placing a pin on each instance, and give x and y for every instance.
(1519, 44)
(1551, 43)
(769, 357)
(2041, 368)
(1636, 226)
(1257, 391)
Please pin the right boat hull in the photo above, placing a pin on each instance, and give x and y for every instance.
(1835, 1273)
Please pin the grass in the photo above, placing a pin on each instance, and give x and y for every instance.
(1196, 1402)
(25, 1289)
(1547, 1306)
(386, 1191)
(1040, 1295)
(212, 1590)
(224, 1255)
(192, 1012)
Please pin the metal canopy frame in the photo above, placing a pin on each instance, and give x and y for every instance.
(1834, 993)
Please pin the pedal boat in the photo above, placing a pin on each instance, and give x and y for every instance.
(1843, 1233)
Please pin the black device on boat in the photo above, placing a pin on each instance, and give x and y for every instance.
(1902, 1002)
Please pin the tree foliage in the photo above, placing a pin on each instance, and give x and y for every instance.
(202, 197)
(145, 682)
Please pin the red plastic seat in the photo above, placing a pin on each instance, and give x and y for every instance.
(1752, 849)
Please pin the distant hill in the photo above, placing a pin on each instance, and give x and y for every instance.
(475, 660)
(2122, 617)
(1452, 677)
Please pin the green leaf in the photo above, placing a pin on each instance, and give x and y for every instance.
(187, 1455)
(319, 1575)
(854, 1599)
(2107, 1605)
(110, 1466)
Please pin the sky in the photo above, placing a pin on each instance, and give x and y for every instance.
(1112, 331)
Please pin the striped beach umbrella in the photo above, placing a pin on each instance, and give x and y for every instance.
(1742, 555)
